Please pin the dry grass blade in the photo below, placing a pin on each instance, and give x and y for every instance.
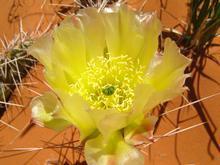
(58, 4)
(11, 61)
(168, 134)
(11, 104)
(185, 129)
(43, 4)
(8, 125)
(103, 4)
(194, 102)
(23, 149)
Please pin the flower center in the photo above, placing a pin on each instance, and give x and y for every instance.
(109, 82)
(108, 90)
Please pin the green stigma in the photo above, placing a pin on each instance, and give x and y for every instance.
(109, 83)
(108, 90)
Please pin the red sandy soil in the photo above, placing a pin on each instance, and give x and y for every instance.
(189, 147)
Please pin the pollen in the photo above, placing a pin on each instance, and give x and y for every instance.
(109, 82)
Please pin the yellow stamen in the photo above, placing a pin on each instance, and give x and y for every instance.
(109, 82)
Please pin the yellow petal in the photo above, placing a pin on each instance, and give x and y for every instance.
(68, 50)
(41, 50)
(112, 33)
(76, 111)
(56, 78)
(139, 128)
(167, 77)
(123, 32)
(143, 93)
(47, 111)
(109, 121)
(128, 155)
(93, 31)
(113, 151)
(151, 31)
(131, 35)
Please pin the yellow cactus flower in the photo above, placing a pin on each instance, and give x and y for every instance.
(107, 76)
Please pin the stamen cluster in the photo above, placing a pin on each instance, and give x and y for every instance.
(109, 82)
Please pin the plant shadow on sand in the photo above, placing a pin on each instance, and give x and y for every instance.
(200, 55)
